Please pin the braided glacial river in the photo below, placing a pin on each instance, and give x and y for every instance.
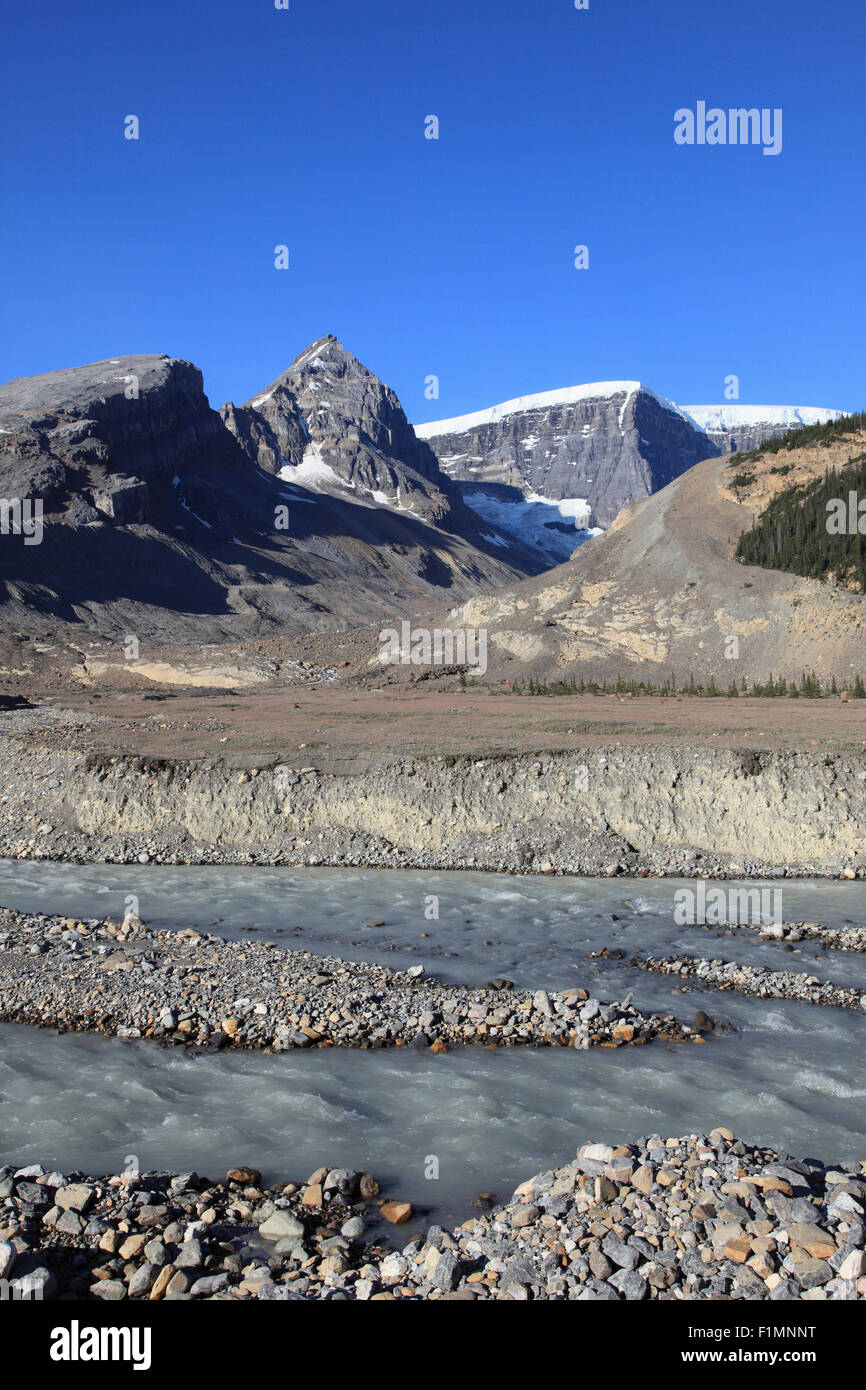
(788, 1074)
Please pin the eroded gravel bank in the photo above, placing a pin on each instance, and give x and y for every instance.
(697, 1217)
(673, 810)
(124, 980)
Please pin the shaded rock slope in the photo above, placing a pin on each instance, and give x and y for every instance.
(164, 519)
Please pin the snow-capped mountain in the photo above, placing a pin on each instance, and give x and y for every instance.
(733, 426)
(605, 443)
(555, 465)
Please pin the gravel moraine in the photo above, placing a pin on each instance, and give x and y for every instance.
(700, 1217)
(127, 981)
(755, 980)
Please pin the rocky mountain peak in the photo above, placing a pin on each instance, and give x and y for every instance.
(327, 354)
(604, 443)
(155, 520)
(329, 423)
(123, 425)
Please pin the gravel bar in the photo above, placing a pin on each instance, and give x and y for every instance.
(756, 980)
(124, 980)
(844, 938)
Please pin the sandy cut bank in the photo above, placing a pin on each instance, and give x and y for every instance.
(635, 809)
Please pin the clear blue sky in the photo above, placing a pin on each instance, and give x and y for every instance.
(306, 127)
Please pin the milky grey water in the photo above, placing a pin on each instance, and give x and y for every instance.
(537, 931)
(788, 1074)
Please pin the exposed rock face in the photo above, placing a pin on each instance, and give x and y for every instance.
(733, 427)
(123, 499)
(161, 521)
(124, 426)
(608, 442)
(330, 423)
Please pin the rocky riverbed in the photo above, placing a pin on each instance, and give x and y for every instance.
(756, 980)
(122, 979)
(702, 1216)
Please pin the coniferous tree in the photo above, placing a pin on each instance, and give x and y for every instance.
(806, 529)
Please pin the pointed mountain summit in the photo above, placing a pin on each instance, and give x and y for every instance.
(330, 424)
